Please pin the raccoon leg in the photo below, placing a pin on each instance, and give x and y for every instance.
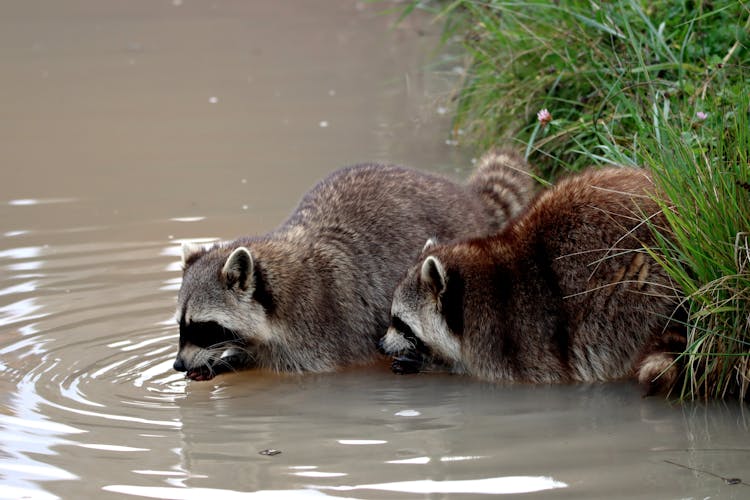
(660, 367)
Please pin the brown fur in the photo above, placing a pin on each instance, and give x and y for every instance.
(565, 293)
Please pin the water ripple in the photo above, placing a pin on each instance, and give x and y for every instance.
(83, 340)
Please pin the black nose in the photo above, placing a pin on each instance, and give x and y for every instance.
(179, 365)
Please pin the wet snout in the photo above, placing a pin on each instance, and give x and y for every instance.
(179, 364)
(204, 364)
(195, 362)
(409, 354)
(393, 343)
(381, 346)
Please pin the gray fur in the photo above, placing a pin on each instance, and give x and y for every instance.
(566, 292)
(314, 294)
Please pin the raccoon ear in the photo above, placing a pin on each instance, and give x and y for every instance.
(238, 269)
(431, 242)
(190, 251)
(433, 274)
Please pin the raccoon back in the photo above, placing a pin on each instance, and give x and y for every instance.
(387, 204)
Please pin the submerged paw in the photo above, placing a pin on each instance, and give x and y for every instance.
(404, 365)
(200, 374)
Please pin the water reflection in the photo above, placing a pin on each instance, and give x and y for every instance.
(23, 310)
(26, 440)
(37, 201)
(415, 460)
(490, 486)
(203, 493)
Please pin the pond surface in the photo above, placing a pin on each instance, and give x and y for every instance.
(128, 127)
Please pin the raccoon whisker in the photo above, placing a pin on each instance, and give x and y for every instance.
(246, 351)
(224, 343)
(224, 364)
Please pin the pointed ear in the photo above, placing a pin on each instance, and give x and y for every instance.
(431, 242)
(190, 252)
(238, 269)
(433, 274)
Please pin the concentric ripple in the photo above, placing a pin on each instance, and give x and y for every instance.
(86, 347)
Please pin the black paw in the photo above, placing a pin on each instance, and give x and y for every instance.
(404, 366)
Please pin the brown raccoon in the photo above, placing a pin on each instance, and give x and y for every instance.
(566, 292)
(314, 294)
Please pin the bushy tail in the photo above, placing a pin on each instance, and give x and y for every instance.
(502, 179)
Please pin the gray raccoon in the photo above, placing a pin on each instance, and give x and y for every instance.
(314, 294)
(566, 292)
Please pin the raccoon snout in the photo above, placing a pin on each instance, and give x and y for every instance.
(179, 365)
(381, 346)
(393, 343)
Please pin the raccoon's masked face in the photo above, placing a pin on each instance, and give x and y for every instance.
(222, 312)
(420, 334)
(208, 349)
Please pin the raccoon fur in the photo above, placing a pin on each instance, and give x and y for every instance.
(314, 294)
(566, 292)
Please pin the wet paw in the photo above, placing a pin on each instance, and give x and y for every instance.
(404, 366)
(200, 374)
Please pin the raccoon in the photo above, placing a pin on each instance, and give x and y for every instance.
(314, 294)
(565, 292)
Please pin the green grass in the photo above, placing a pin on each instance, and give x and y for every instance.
(704, 175)
(595, 70)
(661, 84)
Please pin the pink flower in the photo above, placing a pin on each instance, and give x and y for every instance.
(700, 115)
(544, 117)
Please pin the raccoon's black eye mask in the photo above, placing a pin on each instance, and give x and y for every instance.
(206, 334)
(406, 331)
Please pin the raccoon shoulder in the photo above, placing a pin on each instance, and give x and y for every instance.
(594, 197)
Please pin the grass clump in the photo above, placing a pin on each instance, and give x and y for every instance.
(704, 177)
(662, 84)
(593, 65)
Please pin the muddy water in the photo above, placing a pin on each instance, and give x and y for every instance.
(127, 127)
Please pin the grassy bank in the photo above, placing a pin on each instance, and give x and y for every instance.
(662, 84)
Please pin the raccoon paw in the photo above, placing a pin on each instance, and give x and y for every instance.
(404, 366)
(200, 374)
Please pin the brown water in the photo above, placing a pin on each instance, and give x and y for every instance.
(127, 127)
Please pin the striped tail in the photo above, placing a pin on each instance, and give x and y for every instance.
(503, 181)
